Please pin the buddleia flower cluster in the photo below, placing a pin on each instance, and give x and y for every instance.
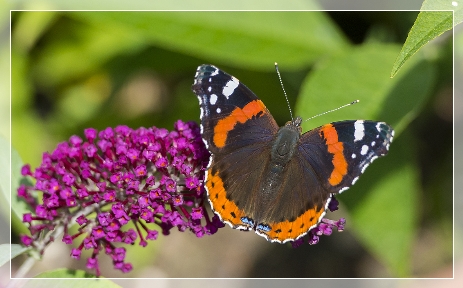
(149, 179)
(123, 186)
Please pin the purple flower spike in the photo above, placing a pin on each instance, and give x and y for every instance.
(147, 177)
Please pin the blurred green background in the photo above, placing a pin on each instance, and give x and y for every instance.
(73, 70)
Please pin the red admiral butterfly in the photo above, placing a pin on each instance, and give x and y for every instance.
(276, 180)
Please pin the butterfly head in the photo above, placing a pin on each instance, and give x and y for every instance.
(295, 124)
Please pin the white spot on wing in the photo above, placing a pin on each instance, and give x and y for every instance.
(213, 99)
(218, 110)
(230, 87)
(354, 156)
(359, 130)
(378, 126)
(216, 71)
(364, 150)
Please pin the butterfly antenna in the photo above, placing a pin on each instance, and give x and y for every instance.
(283, 87)
(348, 104)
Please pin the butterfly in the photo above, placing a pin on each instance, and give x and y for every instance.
(270, 179)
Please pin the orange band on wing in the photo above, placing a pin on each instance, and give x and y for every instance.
(336, 148)
(291, 230)
(239, 115)
(227, 209)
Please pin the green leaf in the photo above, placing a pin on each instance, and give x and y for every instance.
(294, 38)
(71, 281)
(15, 249)
(362, 73)
(428, 25)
